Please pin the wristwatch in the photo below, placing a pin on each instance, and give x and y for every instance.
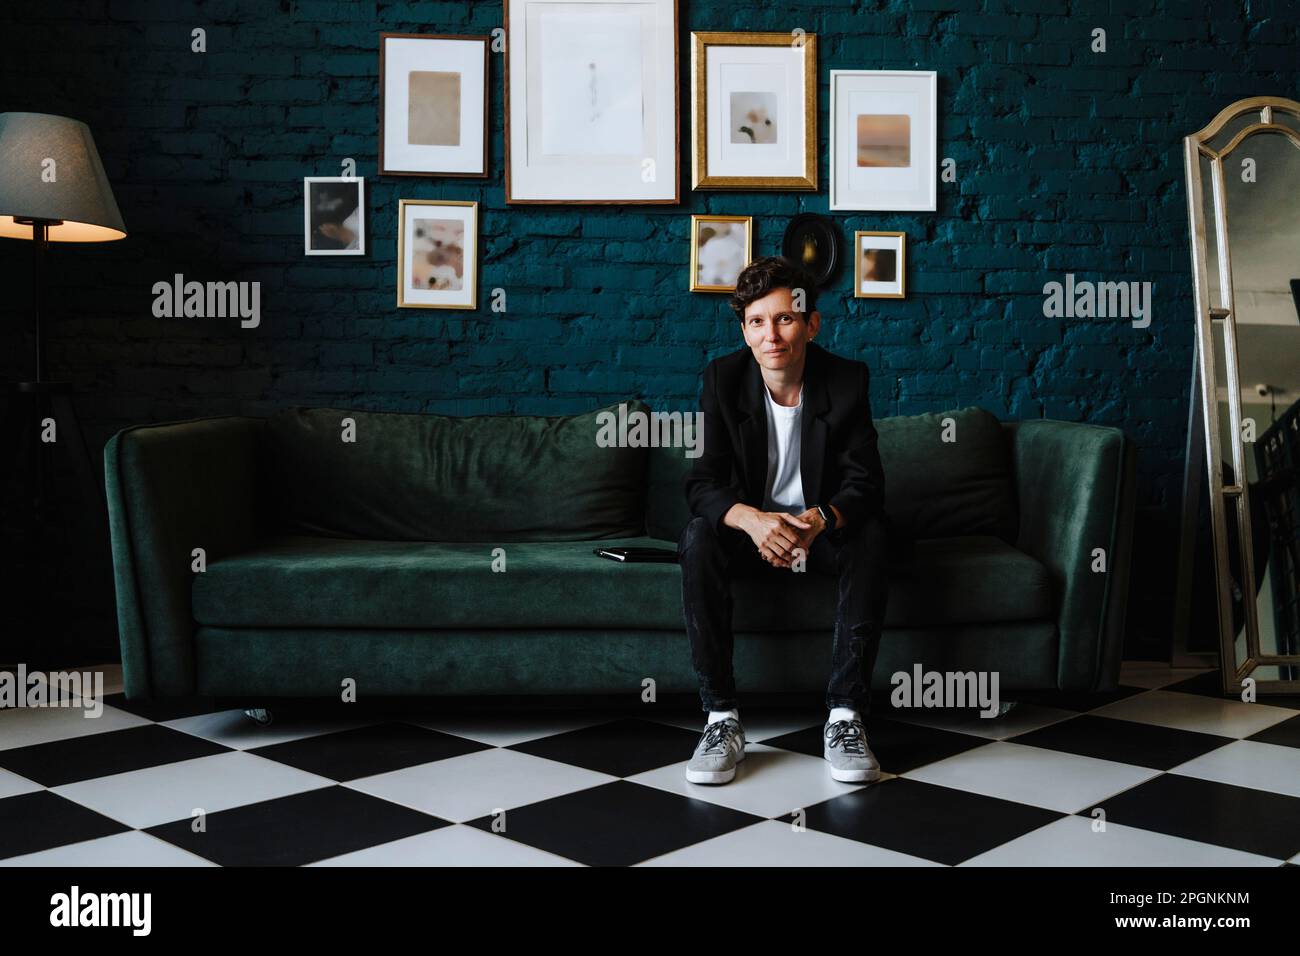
(827, 515)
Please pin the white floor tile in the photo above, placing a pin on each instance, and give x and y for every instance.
(145, 798)
(1071, 841)
(474, 785)
(759, 726)
(768, 782)
(778, 844)
(1019, 720)
(1249, 763)
(120, 849)
(11, 784)
(1032, 775)
(232, 728)
(1208, 715)
(450, 846)
(507, 729)
(27, 726)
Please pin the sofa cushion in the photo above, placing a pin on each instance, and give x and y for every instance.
(933, 488)
(410, 477)
(936, 488)
(334, 583)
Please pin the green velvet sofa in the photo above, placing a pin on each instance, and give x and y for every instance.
(427, 555)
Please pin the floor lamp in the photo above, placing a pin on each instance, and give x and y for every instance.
(52, 189)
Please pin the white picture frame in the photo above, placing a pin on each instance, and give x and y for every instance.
(884, 140)
(334, 216)
(433, 105)
(437, 254)
(591, 101)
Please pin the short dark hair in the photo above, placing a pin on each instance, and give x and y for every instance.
(772, 272)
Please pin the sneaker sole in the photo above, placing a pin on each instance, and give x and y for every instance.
(855, 776)
(714, 776)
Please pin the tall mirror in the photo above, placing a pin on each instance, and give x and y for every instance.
(1243, 193)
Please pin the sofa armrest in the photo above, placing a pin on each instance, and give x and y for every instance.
(1075, 483)
(172, 488)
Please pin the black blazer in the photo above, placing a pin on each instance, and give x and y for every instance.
(839, 461)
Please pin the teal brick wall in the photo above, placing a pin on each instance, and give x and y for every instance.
(1066, 160)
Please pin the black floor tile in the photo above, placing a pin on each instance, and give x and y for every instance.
(364, 751)
(167, 708)
(41, 821)
(1254, 821)
(899, 746)
(99, 755)
(1285, 734)
(921, 819)
(620, 748)
(1081, 701)
(1124, 741)
(298, 829)
(617, 824)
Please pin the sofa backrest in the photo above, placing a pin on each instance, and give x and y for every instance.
(933, 488)
(421, 477)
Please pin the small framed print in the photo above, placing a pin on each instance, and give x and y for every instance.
(879, 265)
(721, 247)
(433, 101)
(754, 111)
(437, 254)
(591, 101)
(334, 216)
(884, 140)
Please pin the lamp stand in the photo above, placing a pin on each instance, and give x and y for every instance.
(51, 490)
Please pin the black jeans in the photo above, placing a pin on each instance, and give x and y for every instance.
(709, 559)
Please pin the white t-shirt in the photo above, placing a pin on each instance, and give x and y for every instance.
(784, 490)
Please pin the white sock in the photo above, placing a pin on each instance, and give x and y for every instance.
(716, 715)
(844, 713)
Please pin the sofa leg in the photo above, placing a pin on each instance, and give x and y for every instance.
(260, 715)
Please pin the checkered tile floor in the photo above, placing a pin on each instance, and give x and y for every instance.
(1182, 776)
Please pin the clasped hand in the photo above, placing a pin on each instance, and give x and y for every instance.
(781, 537)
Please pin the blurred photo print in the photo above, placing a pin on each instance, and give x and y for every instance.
(334, 216)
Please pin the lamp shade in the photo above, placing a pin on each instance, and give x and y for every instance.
(72, 188)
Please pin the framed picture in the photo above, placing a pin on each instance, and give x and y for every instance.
(754, 111)
(334, 216)
(721, 246)
(437, 254)
(591, 101)
(884, 140)
(814, 241)
(432, 105)
(879, 265)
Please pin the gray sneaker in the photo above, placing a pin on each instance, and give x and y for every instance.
(720, 748)
(844, 745)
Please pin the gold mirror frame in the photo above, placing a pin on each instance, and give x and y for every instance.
(1196, 147)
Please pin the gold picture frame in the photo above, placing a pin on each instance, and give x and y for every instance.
(696, 221)
(900, 266)
(414, 298)
(701, 176)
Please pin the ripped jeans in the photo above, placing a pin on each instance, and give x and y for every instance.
(709, 559)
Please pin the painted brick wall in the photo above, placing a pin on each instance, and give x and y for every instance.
(1067, 161)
